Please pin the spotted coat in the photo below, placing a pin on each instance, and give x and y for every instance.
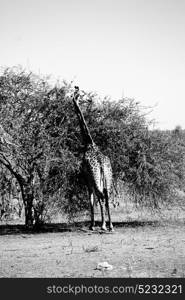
(98, 171)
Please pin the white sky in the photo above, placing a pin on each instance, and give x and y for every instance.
(134, 48)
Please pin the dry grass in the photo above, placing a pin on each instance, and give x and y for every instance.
(145, 244)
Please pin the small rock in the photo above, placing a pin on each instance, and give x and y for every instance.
(104, 266)
(174, 272)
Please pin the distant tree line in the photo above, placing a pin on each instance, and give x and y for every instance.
(41, 147)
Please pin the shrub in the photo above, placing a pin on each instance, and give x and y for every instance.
(42, 121)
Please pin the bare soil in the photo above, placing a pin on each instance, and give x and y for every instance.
(135, 249)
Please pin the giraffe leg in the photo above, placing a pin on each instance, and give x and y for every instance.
(103, 226)
(108, 212)
(91, 196)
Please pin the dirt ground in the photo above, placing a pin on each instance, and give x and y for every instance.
(135, 249)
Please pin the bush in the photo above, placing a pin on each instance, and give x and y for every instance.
(42, 121)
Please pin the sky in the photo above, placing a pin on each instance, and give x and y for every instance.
(117, 48)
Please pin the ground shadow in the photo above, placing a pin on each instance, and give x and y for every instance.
(7, 229)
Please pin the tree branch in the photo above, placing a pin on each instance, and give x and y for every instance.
(9, 166)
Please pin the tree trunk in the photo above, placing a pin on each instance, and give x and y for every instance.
(28, 196)
(26, 190)
(28, 214)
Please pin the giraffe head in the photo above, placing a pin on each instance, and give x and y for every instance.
(77, 88)
(76, 93)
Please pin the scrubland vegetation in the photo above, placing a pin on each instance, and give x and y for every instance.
(41, 150)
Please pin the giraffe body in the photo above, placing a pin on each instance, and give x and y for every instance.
(98, 170)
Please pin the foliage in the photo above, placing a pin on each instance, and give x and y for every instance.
(47, 157)
(149, 163)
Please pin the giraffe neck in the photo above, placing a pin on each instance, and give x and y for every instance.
(87, 138)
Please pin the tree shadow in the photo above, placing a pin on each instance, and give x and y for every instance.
(8, 229)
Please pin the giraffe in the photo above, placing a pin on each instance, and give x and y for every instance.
(97, 169)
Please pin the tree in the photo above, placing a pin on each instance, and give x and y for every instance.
(42, 148)
(42, 142)
(20, 95)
